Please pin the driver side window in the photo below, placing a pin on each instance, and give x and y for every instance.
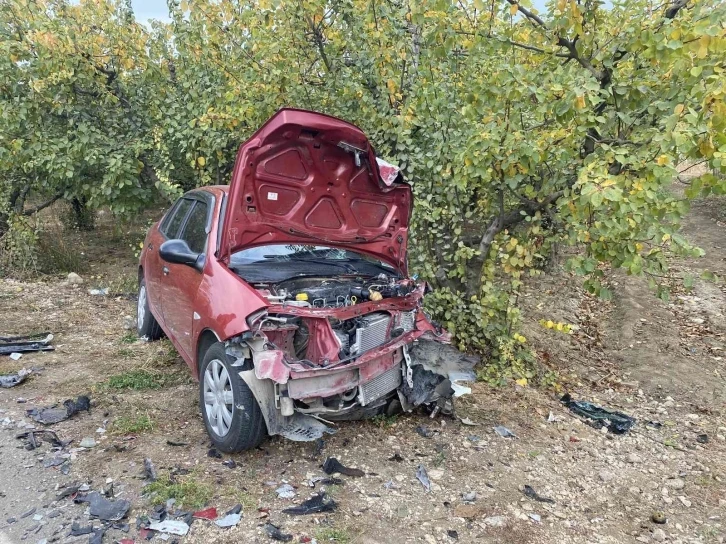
(171, 224)
(195, 230)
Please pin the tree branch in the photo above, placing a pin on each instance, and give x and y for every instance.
(51, 200)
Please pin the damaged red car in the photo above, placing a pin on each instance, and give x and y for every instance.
(287, 292)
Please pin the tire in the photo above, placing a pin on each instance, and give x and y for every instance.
(146, 325)
(244, 427)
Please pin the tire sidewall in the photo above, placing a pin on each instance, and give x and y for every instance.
(244, 407)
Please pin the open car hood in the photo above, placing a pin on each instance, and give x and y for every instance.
(308, 178)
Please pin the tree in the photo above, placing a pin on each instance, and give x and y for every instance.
(519, 130)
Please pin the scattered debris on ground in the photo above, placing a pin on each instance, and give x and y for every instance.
(24, 344)
(53, 414)
(316, 504)
(332, 466)
(11, 380)
(598, 417)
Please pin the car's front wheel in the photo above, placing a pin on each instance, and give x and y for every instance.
(231, 414)
(146, 325)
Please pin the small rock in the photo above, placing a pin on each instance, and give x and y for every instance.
(88, 442)
(658, 517)
(633, 458)
(129, 323)
(74, 279)
(675, 483)
(658, 535)
(494, 521)
(469, 497)
(606, 475)
(436, 474)
(684, 501)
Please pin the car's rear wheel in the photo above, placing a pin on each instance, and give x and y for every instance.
(146, 325)
(231, 414)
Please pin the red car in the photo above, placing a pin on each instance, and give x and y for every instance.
(287, 292)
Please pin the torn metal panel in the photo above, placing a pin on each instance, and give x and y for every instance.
(269, 364)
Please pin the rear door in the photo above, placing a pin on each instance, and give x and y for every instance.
(168, 228)
(181, 282)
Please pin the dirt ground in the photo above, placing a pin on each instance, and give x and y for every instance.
(662, 363)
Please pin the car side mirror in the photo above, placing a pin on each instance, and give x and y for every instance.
(178, 252)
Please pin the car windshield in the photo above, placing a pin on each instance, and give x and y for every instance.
(292, 260)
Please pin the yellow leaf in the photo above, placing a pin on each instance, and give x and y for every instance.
(513, 9)
(580, 102)
(560, 327)
(549, 324)
(201, 161)
(678, 109)
(662, 160)
(522, 382)
(666, 237)
(561, 4)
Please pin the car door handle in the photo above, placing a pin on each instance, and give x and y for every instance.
(165, 271)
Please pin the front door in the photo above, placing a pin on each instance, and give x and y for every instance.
(181, 282)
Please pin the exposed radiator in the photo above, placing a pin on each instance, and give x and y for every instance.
(371, 332)
(407, 320)
(380, 385)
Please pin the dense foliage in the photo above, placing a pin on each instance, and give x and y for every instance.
(519, 130)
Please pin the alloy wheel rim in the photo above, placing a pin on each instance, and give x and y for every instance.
(218, 397)
(141, 307)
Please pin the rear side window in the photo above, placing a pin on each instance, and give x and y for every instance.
(195, 231)
(171, 229)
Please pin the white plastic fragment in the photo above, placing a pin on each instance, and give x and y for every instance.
(172, 526)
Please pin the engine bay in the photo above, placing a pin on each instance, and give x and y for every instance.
(338, 292)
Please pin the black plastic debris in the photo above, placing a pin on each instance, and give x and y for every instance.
(229, 463)
(702, 439)
(654, 424)
(36, 436)
(78, 530)
(24, 344)
(314, 505)
(423, 477)
(54, 414)
(598, 417)
(214, 454)
(11, 380)
(451, 533)
(332, 465)
(28, 513)
(176, 443)
(326, 481)
(67, 491)
(105, 509)
(319, 446)
(530, 493)
(274, 532)
(150, 473)
(97, 536)
(54, 461)
(424, 431)
(396, 457)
